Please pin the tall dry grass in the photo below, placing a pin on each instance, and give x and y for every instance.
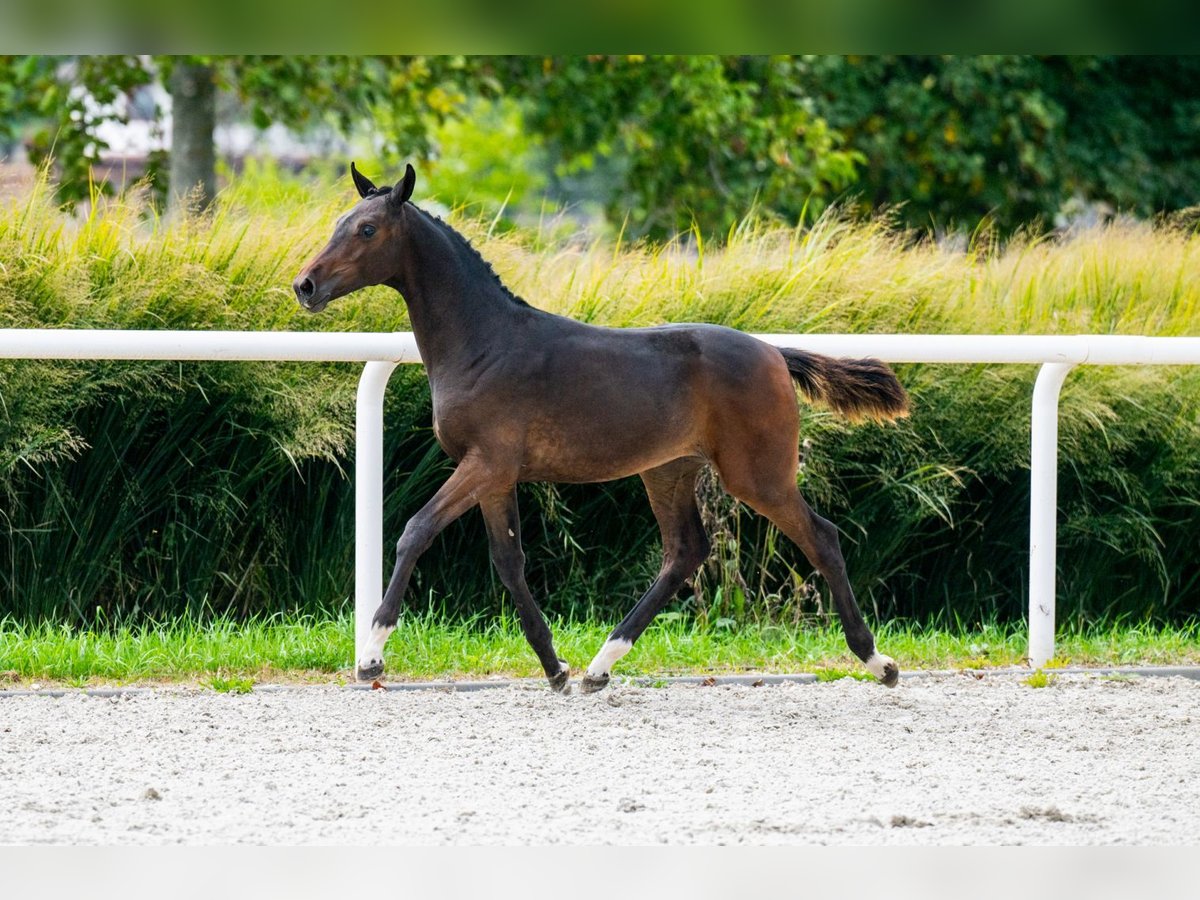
(159, 488)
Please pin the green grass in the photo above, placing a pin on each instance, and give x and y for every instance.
(231, 685)
(1040, 679)
(226, 655)
(835, 674)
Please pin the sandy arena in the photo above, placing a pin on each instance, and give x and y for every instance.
(940, 760)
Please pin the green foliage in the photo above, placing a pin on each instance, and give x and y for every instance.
(1040, 679)
(685, 139)
(163, 488)
(486, 160)
(52, 93)
(131, 487)
(396, 99)
(665, 143)
(956, 139)
(231, 684)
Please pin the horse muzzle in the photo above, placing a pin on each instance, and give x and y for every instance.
(312, 297)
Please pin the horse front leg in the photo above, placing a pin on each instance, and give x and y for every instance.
(503, 521)
(672, 492)
(452, 499)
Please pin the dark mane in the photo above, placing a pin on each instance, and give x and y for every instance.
(462, 241)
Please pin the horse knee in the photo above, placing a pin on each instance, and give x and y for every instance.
(509, 560)
(417, 536)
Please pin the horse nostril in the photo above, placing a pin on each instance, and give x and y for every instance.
(305, 289)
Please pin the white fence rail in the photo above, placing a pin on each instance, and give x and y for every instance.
(383, 352)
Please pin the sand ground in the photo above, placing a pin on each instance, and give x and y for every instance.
(942, 760)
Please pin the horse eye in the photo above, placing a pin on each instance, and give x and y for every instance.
(368, 230)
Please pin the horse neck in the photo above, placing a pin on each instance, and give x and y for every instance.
(456, 307)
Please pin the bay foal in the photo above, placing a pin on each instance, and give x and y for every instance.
(520, 394)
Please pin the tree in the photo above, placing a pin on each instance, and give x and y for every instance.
(959, 138)
(400, 97)
(687, 138)
(668, 140)
(193, 177)
(684, 138)
(66, 98)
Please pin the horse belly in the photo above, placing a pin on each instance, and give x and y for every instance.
(598, 444)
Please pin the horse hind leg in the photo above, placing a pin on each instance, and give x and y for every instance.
(821, 535)
(778, 498)
(672, 492)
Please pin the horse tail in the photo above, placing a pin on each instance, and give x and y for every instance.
(856, 388)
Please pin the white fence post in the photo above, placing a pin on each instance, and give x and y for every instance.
(1043, 510)
(368, 498)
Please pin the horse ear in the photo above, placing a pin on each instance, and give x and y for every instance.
(362, 182)
(404, 190)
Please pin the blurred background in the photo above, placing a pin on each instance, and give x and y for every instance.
(645, 146)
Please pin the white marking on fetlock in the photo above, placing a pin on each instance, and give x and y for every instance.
(878, 663)
(373, 650)
(612, 650)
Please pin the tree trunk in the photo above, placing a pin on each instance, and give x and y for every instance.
(193, 177)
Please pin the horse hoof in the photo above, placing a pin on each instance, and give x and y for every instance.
(891, 675)
(592, 683)
(561, 680)
(370, 671)
(884, 668)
